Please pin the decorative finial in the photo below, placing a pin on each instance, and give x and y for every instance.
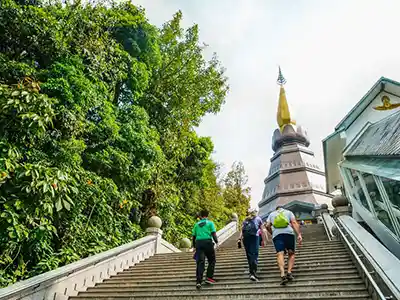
(281, 80)
(283, 116)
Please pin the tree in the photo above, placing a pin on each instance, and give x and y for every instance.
(98, 110)
(236, 192)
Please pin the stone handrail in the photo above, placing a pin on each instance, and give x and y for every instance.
(167, 247)
(226, 232)
(329, 224)
(383, 262)
(75, 277)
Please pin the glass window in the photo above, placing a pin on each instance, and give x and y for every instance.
(392, 188)
(357, 190)
(381, 209)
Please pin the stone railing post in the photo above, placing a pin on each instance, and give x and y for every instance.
(341, 206)
(235, 218)
(154, 228)
(185, 245)
(318, 212)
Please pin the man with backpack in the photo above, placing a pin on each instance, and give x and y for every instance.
(282, 224)
(250, 235)
(203, 234)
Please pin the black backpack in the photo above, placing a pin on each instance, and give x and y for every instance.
(249, 227)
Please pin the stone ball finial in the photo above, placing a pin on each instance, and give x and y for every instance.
(234, 217)
(155, 222)
(185, 243)
(324, 206)
(340, 200)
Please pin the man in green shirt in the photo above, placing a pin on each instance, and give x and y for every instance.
(203, 234)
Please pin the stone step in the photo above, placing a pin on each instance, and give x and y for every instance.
(317, 254)
(262, 250)
(237, 260)
(271, 274)
(266, 252)
(225, 271)
(227, 281)
(302, 296)
(323, 270)
(224, 285)
(305, 245)
(243, 290)
(235, 267)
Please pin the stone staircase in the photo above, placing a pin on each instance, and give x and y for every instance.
(323, 270)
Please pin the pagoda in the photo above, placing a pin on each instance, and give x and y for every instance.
(295, 181)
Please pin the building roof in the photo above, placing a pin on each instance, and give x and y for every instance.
(379, 139)
(383, 83)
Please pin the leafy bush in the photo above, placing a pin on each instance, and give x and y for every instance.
(97, 116)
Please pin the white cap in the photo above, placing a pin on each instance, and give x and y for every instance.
(253, 211)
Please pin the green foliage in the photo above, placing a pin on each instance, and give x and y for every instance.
(97, 116)
(237, 193)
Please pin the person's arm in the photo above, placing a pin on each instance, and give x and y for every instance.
(264, 241)
(194, 237)
(265, 234)
(268, 225)
(214, 233)
(241, 233)
(296, 227)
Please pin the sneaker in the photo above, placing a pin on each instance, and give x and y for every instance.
(253, 278)
(198, 286)
(210, 281)
(284, 280)
(289, 276)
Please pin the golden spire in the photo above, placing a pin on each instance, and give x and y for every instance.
(283, 115)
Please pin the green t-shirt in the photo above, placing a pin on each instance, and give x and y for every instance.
(203, 229)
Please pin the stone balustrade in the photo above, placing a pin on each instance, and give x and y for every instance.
(69, 280)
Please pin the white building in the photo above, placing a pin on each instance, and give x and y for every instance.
(362, 158)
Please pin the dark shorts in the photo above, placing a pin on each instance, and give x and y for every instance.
(284, 242)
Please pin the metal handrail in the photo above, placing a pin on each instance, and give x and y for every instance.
(362, 265)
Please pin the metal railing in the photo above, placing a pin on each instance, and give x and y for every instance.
(373, 288)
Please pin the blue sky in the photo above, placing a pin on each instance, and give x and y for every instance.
(331, 53)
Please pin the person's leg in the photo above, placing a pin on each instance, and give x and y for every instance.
(253, 246)
(210, 253)
(200, 262)
(256, 251)
(280, 256)
(290, 245)
(246, 244)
